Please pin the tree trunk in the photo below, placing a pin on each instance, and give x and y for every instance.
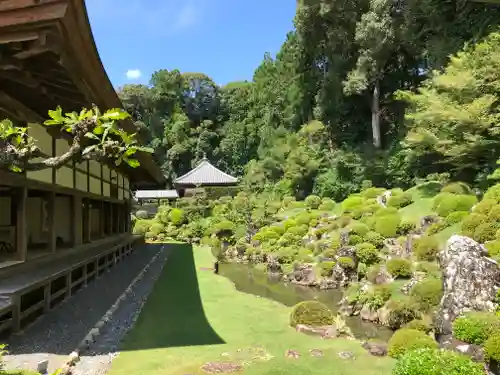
(376, 115)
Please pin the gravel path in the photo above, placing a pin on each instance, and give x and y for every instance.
(97, 359)
(57, 333)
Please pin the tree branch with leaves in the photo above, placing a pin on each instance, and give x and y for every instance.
(94, 136)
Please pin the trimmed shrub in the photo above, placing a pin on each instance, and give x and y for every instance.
(457, 188)
(326, 268)
(156, 228)
(455, 217)
(402, 311)
(367, 253)
(476, 327)
(372, 192)
(471, 222)
(493, 248)
(430, 268)
(289, 223)
(485, 232)
(313, 201)
(419, 325)
(492, 347)
(141, 227)
(429, 361)
(493, 193)
(494, 213)
(427, 293)
(304, 218)
(406, 227)
(176, 216)
(362, 268)
(484, 206)
(426, 248)
(399, 268)
(327, 204)
(358, 228)
(436, 228)
(405, 340)
(387, 225)
(311, 313)
(351, 203)
(446, 203)
(384, 211)
(354, 239)
(374, 238)
(400, 200)
(346, 262)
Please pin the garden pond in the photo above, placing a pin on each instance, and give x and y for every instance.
(248, 279)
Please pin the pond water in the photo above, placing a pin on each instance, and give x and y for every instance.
(250, 280)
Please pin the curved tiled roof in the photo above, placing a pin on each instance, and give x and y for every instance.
(205, 174)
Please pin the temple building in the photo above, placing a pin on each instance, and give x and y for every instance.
(202, 176)
(59, 228)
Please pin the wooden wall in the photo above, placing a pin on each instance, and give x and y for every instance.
(88, 176)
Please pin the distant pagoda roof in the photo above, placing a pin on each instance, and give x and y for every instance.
(205, 174)
(156, 194)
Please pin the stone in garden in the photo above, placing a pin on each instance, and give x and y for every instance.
(378, 349)
(292, 354)
(42, 367)
(221, 367)
(316, 353)
(416, 278)
(469, 281)
(367, 313)
(346, 355)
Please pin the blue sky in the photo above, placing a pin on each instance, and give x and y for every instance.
(225, 39)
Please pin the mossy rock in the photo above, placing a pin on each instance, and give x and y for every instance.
(311, 313)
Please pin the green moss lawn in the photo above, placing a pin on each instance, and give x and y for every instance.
(193, 317)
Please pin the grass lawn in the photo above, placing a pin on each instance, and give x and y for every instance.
(193, 317)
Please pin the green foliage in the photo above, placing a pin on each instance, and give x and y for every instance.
(367, 253)
(493, 194)
(492, 347)
(485, 206)
(312, 313)
(471, 222)
(458, 188)
(399, 267)
(176, 216)
(372, 192)
(400, 200)
(402, 311)
(427, 293)
(455, 217)
(419, 325)
(406, 227)
(485, 232)
(374, 238)
(346, 262)
(493, 248)
(446, 203)
(327, 204)
(476, 327)
(358, 228)
(387, 225)
(429, 361)
(426, 248)
(405, 340)
(313, 201)
(352, 203)
(141, 227)
(326, 268)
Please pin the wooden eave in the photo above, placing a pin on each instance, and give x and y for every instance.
(48, 57)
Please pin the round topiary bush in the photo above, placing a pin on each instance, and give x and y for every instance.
(402, 311)
(346, 262)
(485, 232)
(313, 201)
(374, 238)
(176, 216)
(457, 188)
(455, 217)
(351, 203)
(367, 253)
(326, 268)
(419, 325)
(493, 193)
(427, 293)
(485, 206)
(426, 248)
(476, 327)
(446, 203)
(405, 340)
(493, 248)
(471, 222)
(141, 227)
(492, 347)
(406, 227)
(358, 228)
(400, 200)
(399, 268)
(311, 313)
(387, 225)
(429, 361)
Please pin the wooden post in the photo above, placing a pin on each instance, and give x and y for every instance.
(88, 218)
(68, 284)
(21, 229)
(46, 297)
(111, 221)
(77, 220)
(51, 218)
(16, 313)
(101, 219)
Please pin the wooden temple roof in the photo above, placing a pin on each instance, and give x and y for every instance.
(205, 174)
(48, 57)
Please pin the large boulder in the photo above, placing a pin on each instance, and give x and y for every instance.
(303, 274)
(342, 276)
(469, 281)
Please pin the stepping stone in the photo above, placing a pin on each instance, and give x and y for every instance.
(292, 354)
(316, 353)
(346, 355)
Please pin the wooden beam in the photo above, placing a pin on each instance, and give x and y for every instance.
(21, 77)
(18, 36)
(44, 12)
(51, 218)
(77, 220)
(23, 112)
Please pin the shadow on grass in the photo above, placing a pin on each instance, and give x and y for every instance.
(173, 315)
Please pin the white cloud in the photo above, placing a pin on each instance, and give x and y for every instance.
(133, 74)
